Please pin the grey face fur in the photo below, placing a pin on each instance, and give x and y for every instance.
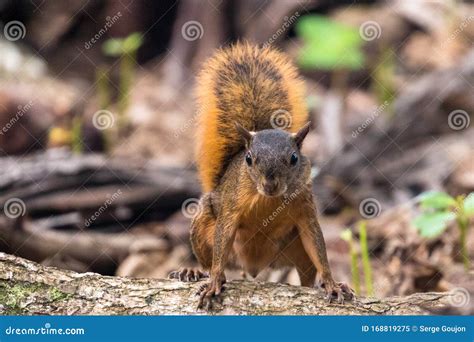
(273, 159)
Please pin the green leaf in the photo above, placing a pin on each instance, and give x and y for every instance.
(433, 224)
(328, 44)
(113, 47)
(118, 46)
(469, 204)
(346, 235)
(132, 42)
(436, 200)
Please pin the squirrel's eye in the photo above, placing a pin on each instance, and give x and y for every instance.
(294, 159)
(248, 159)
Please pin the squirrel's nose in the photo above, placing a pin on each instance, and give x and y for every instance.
(270, 186)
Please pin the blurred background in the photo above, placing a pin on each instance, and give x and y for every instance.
(97, 125)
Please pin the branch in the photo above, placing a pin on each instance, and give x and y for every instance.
(28, 288)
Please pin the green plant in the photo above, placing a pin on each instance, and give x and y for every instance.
(438, 210)
(103, 88)
(328, 44)
(365, 258)
(384, 76)
(346, 235)
(125, 48)
(76, 135)
(334, 47)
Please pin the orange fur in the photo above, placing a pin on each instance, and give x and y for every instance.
(245, 84)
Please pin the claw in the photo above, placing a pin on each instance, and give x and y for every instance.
(188, 275)
(337, 291)
(340, 297)
(201, 288)
(210, 292)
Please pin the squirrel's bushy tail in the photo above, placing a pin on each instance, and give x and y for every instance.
(254, 86)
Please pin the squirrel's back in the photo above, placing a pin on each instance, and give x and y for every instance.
(257, 87)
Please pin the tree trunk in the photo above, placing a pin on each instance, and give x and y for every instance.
(28, 288)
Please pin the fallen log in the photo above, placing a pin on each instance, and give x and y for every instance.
(58, 182)
(28, 288)
(101, 251)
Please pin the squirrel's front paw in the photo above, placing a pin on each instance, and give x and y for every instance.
(188, 274)
(211, 292)
(337, 291)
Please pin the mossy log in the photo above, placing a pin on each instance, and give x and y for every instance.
(27, 288)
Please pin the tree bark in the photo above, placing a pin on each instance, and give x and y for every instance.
(28, 288)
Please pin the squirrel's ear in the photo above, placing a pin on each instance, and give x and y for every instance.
(301, 134)
(245, 134)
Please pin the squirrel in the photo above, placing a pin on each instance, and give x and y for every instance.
(257, 209)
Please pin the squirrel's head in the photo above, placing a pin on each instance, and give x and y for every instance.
(273, 158)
